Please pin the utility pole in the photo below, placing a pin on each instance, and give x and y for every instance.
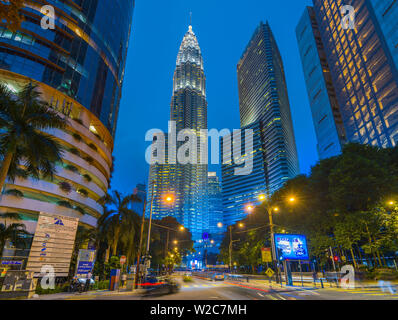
(149, 228)
(137, 269)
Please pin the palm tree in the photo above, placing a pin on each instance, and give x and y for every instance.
(12, 232)
(23, 120)
(119, 216)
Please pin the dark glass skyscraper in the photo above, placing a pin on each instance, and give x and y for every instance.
(187, 182)
(265, 108)
(79, 69)
(326, 115)
(363, 68)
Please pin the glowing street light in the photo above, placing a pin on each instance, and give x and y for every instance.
(182, 228)
(169, 198)
(276, 209)
(391, 203)
(292, 199)
(249, 208)
(241, 225)
(262, 197)
(175, 241)
(220, 225)
(212, 241)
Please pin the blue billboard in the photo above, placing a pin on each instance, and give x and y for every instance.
(291, 247)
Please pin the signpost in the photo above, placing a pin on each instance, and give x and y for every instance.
(85, 262)
(53, 244)
(266, 255)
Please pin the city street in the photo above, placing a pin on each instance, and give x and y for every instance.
(203, 290)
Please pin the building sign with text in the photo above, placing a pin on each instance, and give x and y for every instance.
(53, 244)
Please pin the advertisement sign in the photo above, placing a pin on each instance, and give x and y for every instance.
(266, 255)
(53, 244)
(291, 247)
(85, 262)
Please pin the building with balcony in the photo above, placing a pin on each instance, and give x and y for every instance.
(79, 69)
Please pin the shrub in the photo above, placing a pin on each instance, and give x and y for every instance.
(87, 177)
(65, 186)
(58, 288)
(89, 159)
(92, 146)
(14, 192)
(65, 204)
(101, 285)
(74, 151)
(80, 209)
(72, 168)
(77, 137)
(78, 120)
(187, 279)
(83, 192)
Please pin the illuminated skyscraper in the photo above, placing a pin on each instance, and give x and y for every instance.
(79, 69)
(362, 63)
(265, 109)
(187, 182)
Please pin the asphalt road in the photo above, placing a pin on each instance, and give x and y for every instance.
(205, 290)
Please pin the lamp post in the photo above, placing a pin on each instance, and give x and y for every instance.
(270, 211)
(137, 270)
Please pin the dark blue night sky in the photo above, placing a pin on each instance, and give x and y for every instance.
(223, 28)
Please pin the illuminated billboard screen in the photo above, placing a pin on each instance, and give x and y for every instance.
(291, 247)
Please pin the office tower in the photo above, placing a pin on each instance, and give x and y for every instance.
(79, 69)
(326, 115)
(186, 182)
(363, 67)
(212, 225)
(140, 192)
(264, 108)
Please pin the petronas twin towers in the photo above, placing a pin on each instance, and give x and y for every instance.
(186, 182)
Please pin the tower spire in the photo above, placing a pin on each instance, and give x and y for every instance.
(190, 18)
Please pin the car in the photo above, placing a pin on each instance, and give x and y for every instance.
(160, 285)
(218, 277)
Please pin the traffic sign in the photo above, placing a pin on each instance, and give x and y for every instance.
(123, 260)
(266, 255)
(269, 272)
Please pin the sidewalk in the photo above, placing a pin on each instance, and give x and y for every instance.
(298, 286)
(86, 295)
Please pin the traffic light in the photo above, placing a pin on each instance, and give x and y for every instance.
(336, 258)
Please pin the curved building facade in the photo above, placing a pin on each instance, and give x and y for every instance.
(79, 69)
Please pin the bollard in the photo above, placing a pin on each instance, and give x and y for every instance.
(321, 283)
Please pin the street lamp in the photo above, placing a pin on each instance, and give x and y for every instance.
(391, 203)
(220, 225)
(182, 228)
(175, 241)
(249, 208)
(241, 225)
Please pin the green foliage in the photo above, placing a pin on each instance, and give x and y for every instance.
(93, 146)
(77, 137)
(65, 204)
(14, 192)
(345, 203)
(57, 289)
(87, 177)
(24, 118)
(72, 168)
